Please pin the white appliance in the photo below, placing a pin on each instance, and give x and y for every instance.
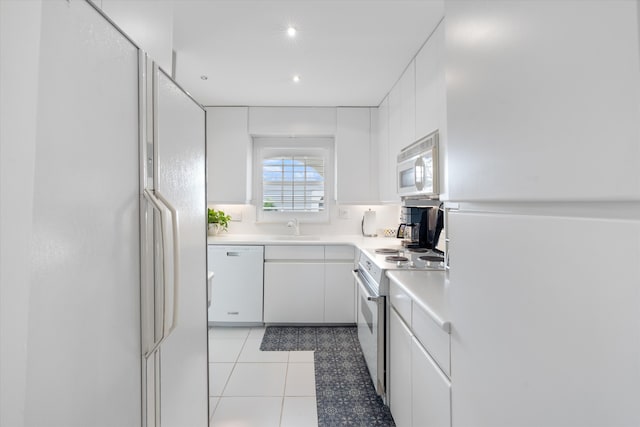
(417, 170)
(236, 295)
(85, 352)
(173, 252)
(372, 307)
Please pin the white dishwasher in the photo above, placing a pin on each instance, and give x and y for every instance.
(238, 284)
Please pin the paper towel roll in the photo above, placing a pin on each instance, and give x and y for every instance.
(369, 223)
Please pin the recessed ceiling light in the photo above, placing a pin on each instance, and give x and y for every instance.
(203, 77)
(296, 79)
(291, 31)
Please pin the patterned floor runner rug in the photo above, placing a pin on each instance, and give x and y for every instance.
(344, 392)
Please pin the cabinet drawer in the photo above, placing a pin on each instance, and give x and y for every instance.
(338, 252)
(432, 337)
(293, 252)
(400, 301)
(430, 390)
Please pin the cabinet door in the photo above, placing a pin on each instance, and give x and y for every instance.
(430, 85)
(430, 390)
(400, 371)
(354, 156)
(387, 188)
(562, 128)
(293, 292)
(339, 293)
(408, 105)
(228, 149)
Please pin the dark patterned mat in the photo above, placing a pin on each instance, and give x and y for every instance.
(344, 392)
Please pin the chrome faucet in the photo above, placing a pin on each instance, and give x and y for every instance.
(295, 225)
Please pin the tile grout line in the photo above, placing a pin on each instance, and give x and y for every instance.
(284, 392)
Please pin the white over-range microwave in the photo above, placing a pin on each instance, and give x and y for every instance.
(418, 168)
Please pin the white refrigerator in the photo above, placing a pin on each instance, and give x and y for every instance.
(543, 108)
(88, 128)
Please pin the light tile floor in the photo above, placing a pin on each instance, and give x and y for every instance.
(253, 388)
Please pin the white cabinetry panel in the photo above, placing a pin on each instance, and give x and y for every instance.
(432, 337)
(557, 326)
(400, 367)
(543, 100)
(339, 293)
(407, 85)
(344, 252)
(228, 155)
(293, 292)
(430, 391)
(430, 85)
(309, 284)
(387, 188)
(316, 121)
(277, 252)
(355, 157)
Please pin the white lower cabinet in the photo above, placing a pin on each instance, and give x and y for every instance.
(419, 390)
(339, 293)
(430, 390)
(309, 284)
(400, 366)
(293, 292)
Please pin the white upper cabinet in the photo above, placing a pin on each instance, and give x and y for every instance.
(430, 85)
(228, 155)
(407, 85)
(543, 100)
(402, 111)
(356, 157)
(431, 101)
(387, 191)
(149, 24)
(285, 121)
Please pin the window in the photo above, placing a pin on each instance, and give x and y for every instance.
(293, 178)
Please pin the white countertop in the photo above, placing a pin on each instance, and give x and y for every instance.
(359, 241)
(428, 289)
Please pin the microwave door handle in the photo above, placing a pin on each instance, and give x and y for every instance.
(418, 174)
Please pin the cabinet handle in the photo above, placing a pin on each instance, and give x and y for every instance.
(233, 253)
(235, 313)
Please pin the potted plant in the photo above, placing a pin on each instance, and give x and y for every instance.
(217, 221)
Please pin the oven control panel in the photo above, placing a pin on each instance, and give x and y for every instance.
(366, 263)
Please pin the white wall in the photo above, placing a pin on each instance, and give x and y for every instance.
(19, 59)
(387, 216)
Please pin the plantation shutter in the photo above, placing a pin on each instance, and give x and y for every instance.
(293, 184)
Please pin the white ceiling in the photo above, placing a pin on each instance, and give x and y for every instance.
(347, 52)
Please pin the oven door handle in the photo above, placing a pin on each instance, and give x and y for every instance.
(365, 289)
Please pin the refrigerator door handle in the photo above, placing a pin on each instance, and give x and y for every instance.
(175, 262)
(170, 264)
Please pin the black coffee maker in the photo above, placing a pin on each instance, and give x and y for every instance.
(421, 226)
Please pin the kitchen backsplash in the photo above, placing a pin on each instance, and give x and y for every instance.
(345, 219)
